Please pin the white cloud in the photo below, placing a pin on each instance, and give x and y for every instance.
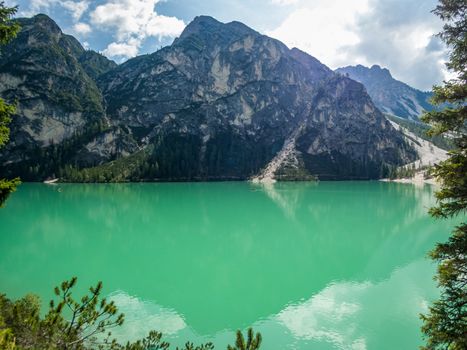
(323, 316)
(35, 6)
(143, 316)
(127, 23)
(123, 49)
(399, 34)
(163, 26)
(284, 2)
(396, 34)
(132, 22)
(82, 28)
(348, 314)
(135, 18)
(77, 9)
(322, 29)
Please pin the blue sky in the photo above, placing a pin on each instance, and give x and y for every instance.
(397, 34)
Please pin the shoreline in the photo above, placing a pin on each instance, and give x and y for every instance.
(418, 179)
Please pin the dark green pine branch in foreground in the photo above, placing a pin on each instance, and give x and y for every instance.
(82, 324)
(253, 342)
(445, 325)
(8, 31)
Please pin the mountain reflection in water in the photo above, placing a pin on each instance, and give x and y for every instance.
(329, 265)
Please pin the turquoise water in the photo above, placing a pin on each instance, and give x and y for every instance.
(333, 265)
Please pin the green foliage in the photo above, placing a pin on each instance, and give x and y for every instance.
(8, 31)
(90, 316)
(409, 171)
(21, 320)
(95, 64)
(292, 173)
(133, 168)
(233, 157)
(86, 318)
(253, 341)
(175, 157)
(452, 196)
(5, 118)
(6, 188)
(7, 340)
(190, 346)
(445, 326)
(54, 160)
(80, 324)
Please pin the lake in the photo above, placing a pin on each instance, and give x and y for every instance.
(329, 265)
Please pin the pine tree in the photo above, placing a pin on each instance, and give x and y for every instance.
(445, 326)
(253, 341)
(80, 324)
(8, 31)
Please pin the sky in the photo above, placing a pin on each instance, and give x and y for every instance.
(395, 34)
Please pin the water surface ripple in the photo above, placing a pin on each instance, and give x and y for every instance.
(333, 265)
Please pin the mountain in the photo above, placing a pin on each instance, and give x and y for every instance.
(221, 102)
(389, 95)
(51, 79)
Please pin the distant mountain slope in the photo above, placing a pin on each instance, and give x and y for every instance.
(389, 95)
(221, 102)
(428, 153)
(420, 129)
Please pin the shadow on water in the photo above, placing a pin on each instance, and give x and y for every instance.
(334, 264)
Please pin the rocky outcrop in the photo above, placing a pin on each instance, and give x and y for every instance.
(428, 154)
(50, 78)
(390, 95)
(222, 102)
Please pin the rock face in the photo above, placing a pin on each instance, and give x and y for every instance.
(389, 95)
(55, 96)
(50, 77)
(222, 102)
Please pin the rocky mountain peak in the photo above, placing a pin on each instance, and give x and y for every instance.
(208, 30)
(390, 95)
(42, 31)
(40, 28)
(381, 72)
(376, 71)
(221, 102)
(201, 24)
(45, 22)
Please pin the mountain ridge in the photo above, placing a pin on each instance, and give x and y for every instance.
(390, 95)
(221, 102)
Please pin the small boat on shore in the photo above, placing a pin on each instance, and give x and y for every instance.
(51, 182)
